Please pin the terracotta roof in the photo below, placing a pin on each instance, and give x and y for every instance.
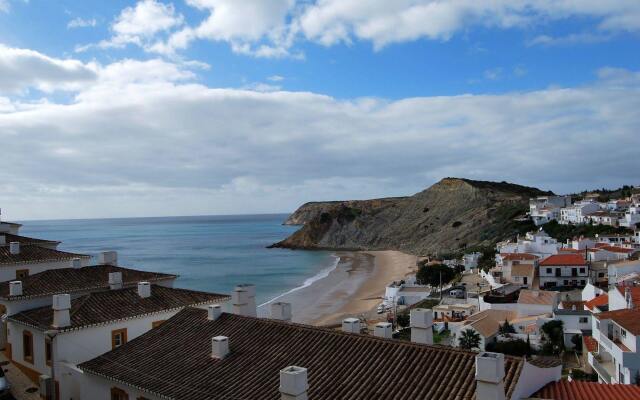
(23, 240)
(174, 361)
(583, 390)
(522, 270)
(569, 250)
(35, 254)
(564, 259)
(634, 291)
(112, 305)
(598, 301)
(545, 361)
(518, 256)
(616, 249)
(71, 280)
(487, 322)
(629, 319)
(540, 297)
(590, 343)
(568, 305)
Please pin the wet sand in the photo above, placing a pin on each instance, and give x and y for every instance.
(355, 287)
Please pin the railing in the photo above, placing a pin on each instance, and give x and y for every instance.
(604, 340)
(600, 369)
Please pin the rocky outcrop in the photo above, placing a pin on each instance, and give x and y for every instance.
(450, 215)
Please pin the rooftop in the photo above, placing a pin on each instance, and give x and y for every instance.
(629, 319)
(23, 240)
(70, 280)
(582, 390)
(488, 322)
(598, 301)
(174, 361)
(31, 253)
(540, 297)
(518, 256)
(564, 259)
(522, 270)
(113, 305)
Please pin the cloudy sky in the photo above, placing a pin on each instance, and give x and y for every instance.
(124, 108)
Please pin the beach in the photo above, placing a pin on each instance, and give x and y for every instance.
(354, 287)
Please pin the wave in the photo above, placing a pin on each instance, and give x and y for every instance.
(309, 281)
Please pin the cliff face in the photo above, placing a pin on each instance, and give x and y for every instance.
(446, 217)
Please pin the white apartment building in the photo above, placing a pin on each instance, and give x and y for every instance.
(577, 213)
(563, 270)
(537, 243)
(543, 209)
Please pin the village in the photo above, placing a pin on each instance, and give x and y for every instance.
(531, 318)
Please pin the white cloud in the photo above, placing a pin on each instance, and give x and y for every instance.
(493, 74)
(571, 39)
(4, 5)
(82, 23)
(275, 78)
(146, 139)
(21, 69)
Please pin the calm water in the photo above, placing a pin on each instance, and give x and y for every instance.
(211, 253)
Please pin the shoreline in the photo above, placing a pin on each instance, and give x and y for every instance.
(353, 287)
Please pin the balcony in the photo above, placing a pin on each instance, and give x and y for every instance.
(605, 369)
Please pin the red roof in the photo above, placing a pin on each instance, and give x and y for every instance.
(629, 319)
(564, 259)
(518, 256)
(634, 291)
(615, 249)
(582, 390)
(597, 301)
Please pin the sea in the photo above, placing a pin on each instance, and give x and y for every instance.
(209, 253)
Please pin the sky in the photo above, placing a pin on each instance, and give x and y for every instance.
(190, 107)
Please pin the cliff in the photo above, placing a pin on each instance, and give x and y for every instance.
(449, 216)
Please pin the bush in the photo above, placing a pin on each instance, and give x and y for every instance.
(516, 347)
(430, 274)
(403, 319)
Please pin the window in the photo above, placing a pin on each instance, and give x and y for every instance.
(549, 270)
(566, 282)
(27, 346)
(119, 394)
(47, 351)
(156, 324)
(583, 283)
(623, 333)
(22, 273)
(582, 270)
(598, 324)
(600, 274)
(118, 337)
(583, 320)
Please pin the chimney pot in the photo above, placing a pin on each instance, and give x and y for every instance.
(76, 263)
(108, 258)
(490, 376)
(144, 289)
(421, 325)
(115, 280)
(15, 288)
(61, 306)
(213, 312)
(281, 311)
(251, 309)
(242, 303)
(219, 347)
(383, 330)
(293, 383)
(351, 325)
(14, 247)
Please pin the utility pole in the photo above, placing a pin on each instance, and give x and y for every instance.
(51, 334)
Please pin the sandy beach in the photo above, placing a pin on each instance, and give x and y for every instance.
(355, 287)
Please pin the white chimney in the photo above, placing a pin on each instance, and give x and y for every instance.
(351, 325)
(252, 309)
(76, 263)
(144, 289)
(219, 347)
(108, 258)
(241, 303)
(490, 376)
(383, 330)
(14, 247)
(61, 306)
(281, 311)
(3, 240)
(293, 383)
(15, 288)
(213, 312)
(115, 280)
(421, 325)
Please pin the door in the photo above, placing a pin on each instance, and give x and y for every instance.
(525, 280)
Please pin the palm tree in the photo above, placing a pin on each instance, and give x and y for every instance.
(469, 339)
(506, 328)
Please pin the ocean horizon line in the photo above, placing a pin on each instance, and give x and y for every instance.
(153, 217)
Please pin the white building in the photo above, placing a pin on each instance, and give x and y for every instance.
(563, 270)
(91, 325)
(518, 268)
(470, 260)
(537, 243)
(574, 322)
(600, 217)
(631, 217)
(18, 260)
(578, 212)
(543, 209)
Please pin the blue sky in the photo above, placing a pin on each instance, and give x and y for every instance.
(261, 105)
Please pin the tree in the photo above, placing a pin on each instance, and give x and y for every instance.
(430, 274)
(577, 343)
(506, 328)
(553, 335)
(403, 319)
(469, 339)
(517, 347)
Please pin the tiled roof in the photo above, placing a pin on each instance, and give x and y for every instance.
(598, 301)
(487, 322)
(174, 361)
(634, 291)
(112, 305)
(522, 270)
(70, 280)
(616, 249)
(540, 297)
(590, 343)
(568, 305)
(34, 254)
(564, 259)
(629, 319)
(582, 390)
(24, 240)
(518, 256)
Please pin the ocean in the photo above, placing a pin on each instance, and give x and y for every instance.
(210, 253)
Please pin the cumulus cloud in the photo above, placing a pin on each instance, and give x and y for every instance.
(82, 23)
(21, 69)
(147, 139)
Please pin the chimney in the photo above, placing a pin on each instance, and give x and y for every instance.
(240, 302)
(422, 325)
(281, 311)
(144, 289)
(490, 376)
(351, 325)
(108, 258)
(219, 347)
(293, 383)
(252, 309)
(3, 240)
(383, 330)
(115, 280)
(76, 263)
(61, 306)
(15, 288)
(14, 247)
(627, 297)
(213, 312)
